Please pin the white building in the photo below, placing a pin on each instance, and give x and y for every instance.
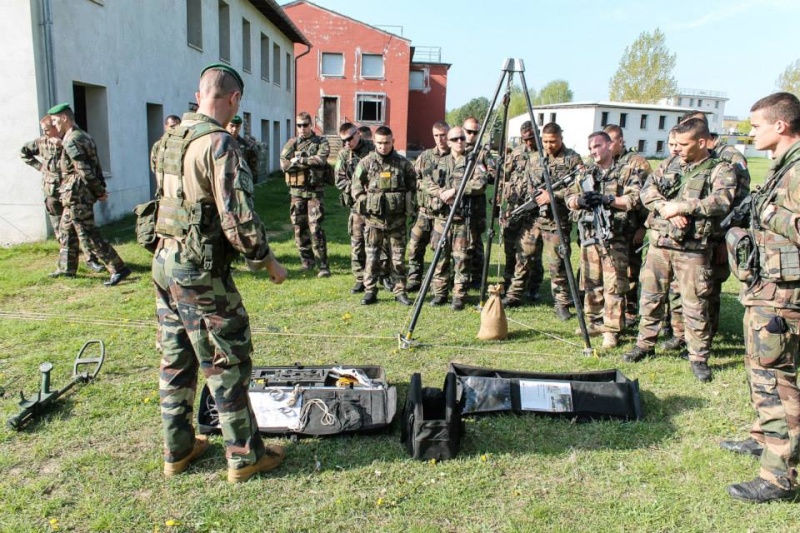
(124, 66)
(645, 127)
(712, 103)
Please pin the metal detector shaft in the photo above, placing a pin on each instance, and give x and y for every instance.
(573, 289)
(472, 158)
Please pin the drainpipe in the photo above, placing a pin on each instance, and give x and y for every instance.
(49, 61)
(308, 49)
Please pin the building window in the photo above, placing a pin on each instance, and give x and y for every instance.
(643, 122)
(604, 119)
(371, 66)
(264, 57)
(691, 102)
(699, 103)
(662, 122)
(623, 120)
(288, 71)
(224, 32)
(552, 117)
(194, 23)
(540, 119)
(641, 147)
(246, 45)
(716, 104)
(371, 107)
(246, 126)
(276, 65)
(660, 147)
(331, 65)
(416, 80)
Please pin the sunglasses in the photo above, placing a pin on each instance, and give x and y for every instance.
(303, 124)
(471, 132)
(348, 139)
(456, 139)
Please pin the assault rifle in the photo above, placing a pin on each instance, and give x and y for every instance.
(739, 214)
(600, 215)
(530, 205)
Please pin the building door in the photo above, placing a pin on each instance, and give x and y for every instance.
(155, 129)
(277, 145)
(330, 115)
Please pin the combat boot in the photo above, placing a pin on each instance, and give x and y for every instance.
(387, 284)
(61, 274)
(199, 448)
(592, 329)
(118, 276)
(609, 340)
(701, 371)
(94, 265)
(272, 458)
(357, 288)
(746, 447)
(439, 300)
(458, 304)
(402, 298)
(562, 312)
(675, 343)
(637, 354)
(533, 295)
(759, 490)
(508, 301)
(412, 286)
(324, 272)
(370, 297)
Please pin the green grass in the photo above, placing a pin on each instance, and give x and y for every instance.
(93, 463)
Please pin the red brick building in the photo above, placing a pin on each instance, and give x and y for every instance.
(358, 73)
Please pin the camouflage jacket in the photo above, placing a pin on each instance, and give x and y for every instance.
(345, 168)
(515, 167)
(739, 163)
(704, 189)
(44, 154)
(383, 189)
(82, 180)
(214, 175)
(630, 162)
(532, 179)
(425, 165)
(313, 152)
(778, 236)
(249, 151)
(449, 174)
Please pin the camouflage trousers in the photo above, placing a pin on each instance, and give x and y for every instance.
(52, 204)
(510, 238)
(604, 280)
(477, 228)
(307, 215)
(772, 341)
(692, 270)
(203, 325)
(456, 252)
(77, 227)
(358, 251)
(533, 240)
(634, 270)
(419, 238)
(376, 240)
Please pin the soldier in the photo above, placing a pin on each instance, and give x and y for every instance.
(631, 162)
(365, 132)
(354, 149)
(202, 321)
(772, 306)
(171, 121)
(542, 230)
(603, 196)
(477, 219)
(685, 211)
(246, 145)
(303, 160)
(425, 165)
(44, 154)
(516, 166)
(383, 190)
(442, 185)
(82, 184)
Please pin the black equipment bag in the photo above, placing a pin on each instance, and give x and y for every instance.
(600, 394)
(431, 425)
(312, 400)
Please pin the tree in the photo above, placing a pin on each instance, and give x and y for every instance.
(477, 107)
(789, 80)
(644, 74)
(744, 127)
(555, 92)
(517, 105)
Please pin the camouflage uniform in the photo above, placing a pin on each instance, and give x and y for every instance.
(705, 190)
(772, 322)
(383, 189)
(448, 175)
(202, 321)
(82, 184)
(541, 231)
(249, 150)
(420, 236)
(604, 263)
(516, 165)
(306, 181)
(345, 168)
(477, 220)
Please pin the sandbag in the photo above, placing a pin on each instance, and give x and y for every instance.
(494, 325)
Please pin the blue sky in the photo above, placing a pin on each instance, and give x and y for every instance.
(739, 47)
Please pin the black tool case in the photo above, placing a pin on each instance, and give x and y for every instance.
(431, 426)
(312, 400)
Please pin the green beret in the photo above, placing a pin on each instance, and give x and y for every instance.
(226, 68)
(236, 120)
(56, 109)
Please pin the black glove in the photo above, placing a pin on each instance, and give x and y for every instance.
(607, 199)
(589, 199)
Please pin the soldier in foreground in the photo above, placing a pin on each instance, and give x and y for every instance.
(202, 321)
(383, 189)
(771, 299)
(82, 185)
(303, 161)
(477, 219)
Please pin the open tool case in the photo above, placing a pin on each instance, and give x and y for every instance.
(313, 400)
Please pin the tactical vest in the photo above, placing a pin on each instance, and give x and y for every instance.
(449, 176)
(615, 219)
(430, 161)
(557, 166)
(695, 185)
(195, 224)
(386, 190)
(305, 178)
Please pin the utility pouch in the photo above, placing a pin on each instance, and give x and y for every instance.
(395, 203)
(741, 256)
(374, 205)
(385, 180)
(296, 178)
(146, 215)
(431, 425)
(202, 236)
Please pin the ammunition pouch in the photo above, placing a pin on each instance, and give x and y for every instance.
(146, 215)
(741, 254)
(374, 204)
(778, 257)
(297, 178)
(198, 226)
